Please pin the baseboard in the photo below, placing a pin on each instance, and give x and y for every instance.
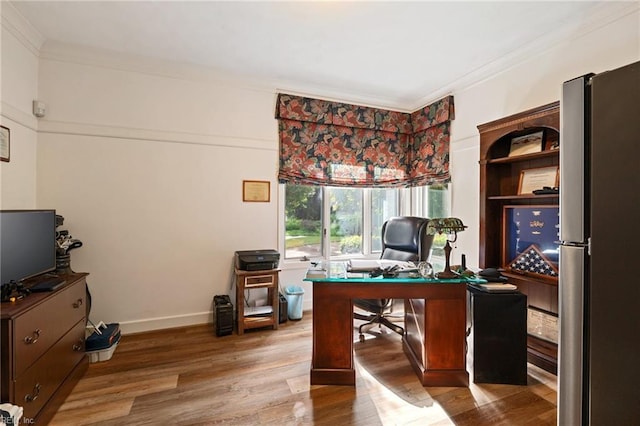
(150, 324)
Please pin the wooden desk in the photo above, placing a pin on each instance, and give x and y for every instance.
(435, 323)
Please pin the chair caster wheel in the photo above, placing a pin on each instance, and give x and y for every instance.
(362, 338)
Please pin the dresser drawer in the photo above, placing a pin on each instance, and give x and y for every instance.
(38, 383)
(259, 281)
(38, 329)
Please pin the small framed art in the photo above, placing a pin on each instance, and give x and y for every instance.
(5, 140)
(532, 179)
(526, 144)
(256, 191)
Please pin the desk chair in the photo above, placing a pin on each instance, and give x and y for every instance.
(403, 238)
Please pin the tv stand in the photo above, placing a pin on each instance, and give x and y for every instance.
(43, 347)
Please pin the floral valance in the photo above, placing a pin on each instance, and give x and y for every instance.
(437, 113)
(338, 144)
(340, 114)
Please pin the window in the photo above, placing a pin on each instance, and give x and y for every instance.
(303, 209)
(352, 218)
(434, 201)
(384, 204)
(345, 220)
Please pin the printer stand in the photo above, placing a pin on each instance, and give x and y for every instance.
(246, 280)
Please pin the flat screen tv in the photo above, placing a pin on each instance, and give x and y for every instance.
(27, 243)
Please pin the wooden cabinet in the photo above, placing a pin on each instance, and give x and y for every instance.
(247, 280)
(498, 323)
(500, 175)
(43, 348)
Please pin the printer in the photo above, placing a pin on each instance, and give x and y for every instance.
(257, 260)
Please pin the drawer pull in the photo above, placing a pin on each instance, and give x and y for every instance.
(78, 346)
(30, 340)
(77, 304)
(34, 395)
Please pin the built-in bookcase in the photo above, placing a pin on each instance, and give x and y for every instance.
(516, 153)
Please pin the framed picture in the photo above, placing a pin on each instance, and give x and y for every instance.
(257, 191)
(531, 235)
(526, 144)
(5, 140)
(532, 179)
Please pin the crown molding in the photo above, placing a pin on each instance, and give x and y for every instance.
(108, 59)
(20, 28)
(605, 14)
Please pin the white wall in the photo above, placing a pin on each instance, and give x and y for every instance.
(18, 88)
(147, 169)
(533, 82)
(146, 160)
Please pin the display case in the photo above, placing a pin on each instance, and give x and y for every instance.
(519, 169)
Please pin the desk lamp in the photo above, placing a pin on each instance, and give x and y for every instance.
(448, 225)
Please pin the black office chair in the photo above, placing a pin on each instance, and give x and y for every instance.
(403, 238)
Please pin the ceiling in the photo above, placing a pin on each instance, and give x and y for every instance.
(398, 55)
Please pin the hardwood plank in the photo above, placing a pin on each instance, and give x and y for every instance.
(92, 413)
(189, 376)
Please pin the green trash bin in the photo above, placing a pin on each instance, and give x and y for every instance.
(294, 295)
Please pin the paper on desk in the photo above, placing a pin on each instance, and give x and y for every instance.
(366, 265)
(316, 273)
(321, 269)
(496, 287)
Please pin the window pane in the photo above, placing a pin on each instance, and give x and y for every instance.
(303, 221)
(346, 220)
(438, 206)
(437, 201)
(384, 204)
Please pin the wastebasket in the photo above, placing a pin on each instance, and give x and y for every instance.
(294, 301)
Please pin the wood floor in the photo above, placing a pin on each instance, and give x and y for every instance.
(188, 376)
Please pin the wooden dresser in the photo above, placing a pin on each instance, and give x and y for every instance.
(43, 348)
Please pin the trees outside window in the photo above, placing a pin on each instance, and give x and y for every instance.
(334, 222)
(303, 221)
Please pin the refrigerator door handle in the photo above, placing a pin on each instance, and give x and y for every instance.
(573, 157)
(586, 245)
(573, 244)
(571, 288)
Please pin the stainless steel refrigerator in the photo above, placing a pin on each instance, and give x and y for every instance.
(599, 285)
